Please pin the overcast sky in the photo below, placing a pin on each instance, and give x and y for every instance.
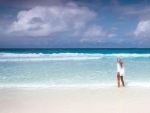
(76, 23)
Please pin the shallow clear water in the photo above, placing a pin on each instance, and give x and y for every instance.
(72, 67)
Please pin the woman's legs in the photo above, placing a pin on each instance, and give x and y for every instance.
(118, 79)
(122, 81)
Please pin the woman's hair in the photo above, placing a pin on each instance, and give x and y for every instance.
(120, 62)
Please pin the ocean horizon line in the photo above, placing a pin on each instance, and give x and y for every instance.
(66, 48)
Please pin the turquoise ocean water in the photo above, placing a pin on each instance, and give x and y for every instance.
(72, 67)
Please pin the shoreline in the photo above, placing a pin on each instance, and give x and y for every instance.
(75, 100)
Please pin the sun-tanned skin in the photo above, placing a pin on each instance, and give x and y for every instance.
(122, 81)
(118, 79)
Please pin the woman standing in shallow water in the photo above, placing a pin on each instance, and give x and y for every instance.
(120, 72)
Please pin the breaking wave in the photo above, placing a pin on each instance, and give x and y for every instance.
(63, 56)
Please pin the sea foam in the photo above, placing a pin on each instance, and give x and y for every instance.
(64, 56)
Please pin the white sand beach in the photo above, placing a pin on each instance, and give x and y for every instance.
(75, 100)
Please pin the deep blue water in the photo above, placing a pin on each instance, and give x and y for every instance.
(82, 50)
